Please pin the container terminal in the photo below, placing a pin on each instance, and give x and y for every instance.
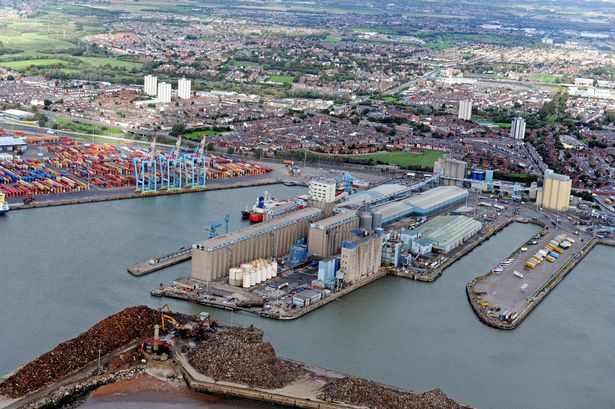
(341, 239)
(192, 353)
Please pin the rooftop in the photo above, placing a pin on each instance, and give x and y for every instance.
(444, 230)
(10, 141)
(335, 220)
(259, 229)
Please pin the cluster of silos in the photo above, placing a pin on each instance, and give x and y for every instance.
(370, 221)
(254, 273)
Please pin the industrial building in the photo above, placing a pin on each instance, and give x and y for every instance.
(323, 190)
(374, 195)
(465, 109)
(360, 257)
(555, 192)
(10, 144)
(17, 114)
(211, 259)
(453, 170)
(448, 232)
(325, 236)
(184, 88)
(422, 204)
(150, 85)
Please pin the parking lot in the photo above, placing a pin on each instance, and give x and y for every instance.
(508, 291)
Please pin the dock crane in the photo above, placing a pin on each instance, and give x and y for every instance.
(213, 228)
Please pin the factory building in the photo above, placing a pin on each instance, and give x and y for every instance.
(451, 168)
(360, 257)
(325, 236)
(17, 114)
(164, 93)
(423, 204)
(184, 88)
(323, 190)
(465, 109)
(448, 232)
(380, 193)
(211, 259)
(150, 85)
(555, 192)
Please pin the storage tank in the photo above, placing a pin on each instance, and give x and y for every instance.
(269, 272)
(253, 278)
(246, 267)
(246, 280)
(365, 221)
(274, 269)
(259, 276)
(376, 220)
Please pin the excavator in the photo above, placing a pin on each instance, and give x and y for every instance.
(169, 323)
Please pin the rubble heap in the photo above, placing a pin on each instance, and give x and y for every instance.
(110, 334)
(362, 392)
(239, 355)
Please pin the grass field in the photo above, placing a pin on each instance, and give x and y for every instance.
(243, 64)
(25, 64)
(405, 159)
(198, 135)
(113, 62)
(85, 127)
(284, 79)
(544, 78)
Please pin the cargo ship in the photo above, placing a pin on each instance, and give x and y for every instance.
(266, 205)
(4, 205)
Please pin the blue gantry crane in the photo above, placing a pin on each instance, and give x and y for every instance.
(146, 175)
(213, 228)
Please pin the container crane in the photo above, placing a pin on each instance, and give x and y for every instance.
(213, 228)
(146, 176)
(195, 166)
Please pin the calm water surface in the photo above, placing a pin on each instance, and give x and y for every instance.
(63, 269)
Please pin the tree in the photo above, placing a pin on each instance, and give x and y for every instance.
(210, 146)
(47, 102)
(230, 150)
(177, 129)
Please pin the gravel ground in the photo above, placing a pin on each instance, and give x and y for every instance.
(70, 356)
(373, 395)
(240, 356)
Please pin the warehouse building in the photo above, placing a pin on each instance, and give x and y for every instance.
(211, 259)
(325, 236)
(17, 114)
(380, 193)
(448, 232)
(423, 204)
(556, 190)
(360, 257)
(10, 144)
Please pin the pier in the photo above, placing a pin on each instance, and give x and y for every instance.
(158, 263)
(483, 299)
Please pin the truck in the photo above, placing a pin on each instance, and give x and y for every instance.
(558, 250)
(543, 252)
(530, 264)
(565, 244)
(554, 254)
(518, 274)
(550, 259)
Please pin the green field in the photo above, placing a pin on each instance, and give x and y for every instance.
(25, 64)
(284, 79)
(243, 64)
(332, 39)
(544, 78)
(112, 62)
(404, 159)
(198, 135)
(63, 123)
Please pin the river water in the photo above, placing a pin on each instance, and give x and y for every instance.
(63, 269)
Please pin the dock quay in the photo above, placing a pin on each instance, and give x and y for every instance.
(219, 294)
(520, 301)
(158, 263)
(103, 196)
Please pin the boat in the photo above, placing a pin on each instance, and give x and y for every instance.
(245, 214)
(269, 205)
(4, 205)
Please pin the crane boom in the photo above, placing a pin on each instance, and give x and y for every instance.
(177, 147)
(152, 149)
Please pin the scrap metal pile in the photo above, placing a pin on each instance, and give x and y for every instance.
(68, 357)
(364, 393)
(239, 355)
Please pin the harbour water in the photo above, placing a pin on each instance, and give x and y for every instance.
(62, 269)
